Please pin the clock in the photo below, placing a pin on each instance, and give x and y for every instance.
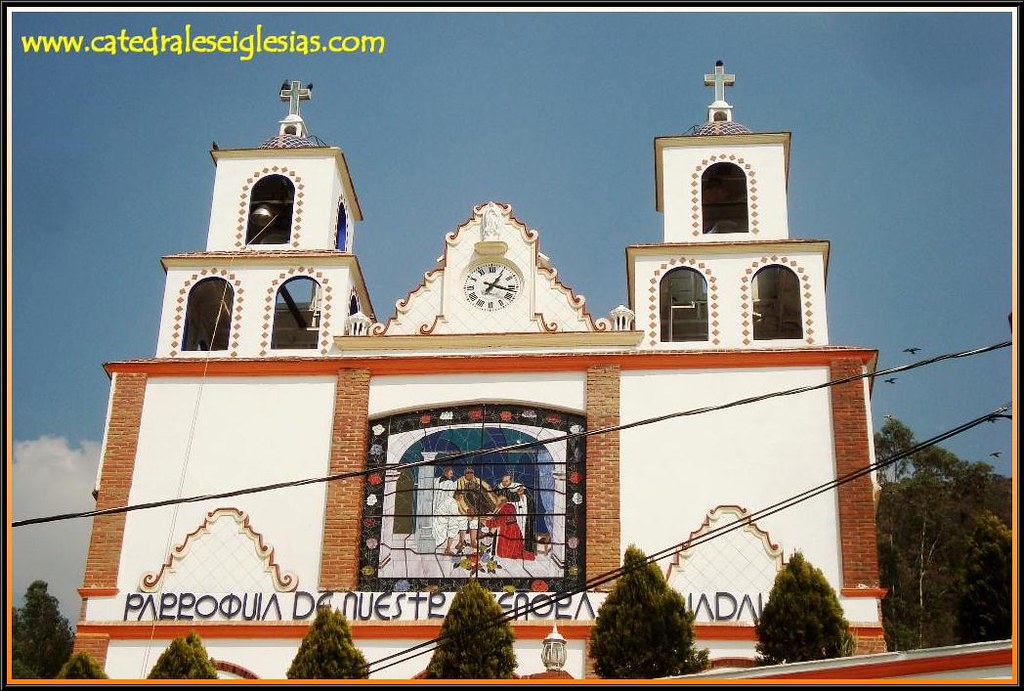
(491, 287)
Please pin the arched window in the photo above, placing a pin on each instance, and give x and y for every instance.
(270, 211)
(353, 304)
(777, 310)
(297, 314)
(208, 315)
(684, 306)
(724, 199)
(342, 243)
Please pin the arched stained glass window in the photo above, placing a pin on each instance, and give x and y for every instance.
(515, 517)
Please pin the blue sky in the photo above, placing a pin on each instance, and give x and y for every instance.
(901, 159)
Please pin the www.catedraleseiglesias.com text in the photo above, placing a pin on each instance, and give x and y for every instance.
(245, 45)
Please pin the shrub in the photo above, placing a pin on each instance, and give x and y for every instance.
(81, 666)
(802, 619)
(185, 658)
(474, 644)
(327, 651)
(643, 629)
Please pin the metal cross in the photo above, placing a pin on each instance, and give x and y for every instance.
(720, 80)
(294, 94)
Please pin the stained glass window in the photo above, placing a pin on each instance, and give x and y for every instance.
(473, 506)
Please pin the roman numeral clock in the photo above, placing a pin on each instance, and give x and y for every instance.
(492, 286)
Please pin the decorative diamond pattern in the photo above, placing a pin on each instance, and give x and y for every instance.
(243, 206)
(805, 284)
(751, 191)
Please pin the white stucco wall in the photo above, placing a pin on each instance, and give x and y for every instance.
(767, 163)
(727, 299)
(253, 305)
(321, 190)
(674, 472)
(564, 390)
(247, 432)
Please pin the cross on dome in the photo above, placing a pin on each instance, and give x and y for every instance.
(293, 126)
(294, 93)
(719, 80)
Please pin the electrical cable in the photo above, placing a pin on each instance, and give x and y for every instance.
(511, 447)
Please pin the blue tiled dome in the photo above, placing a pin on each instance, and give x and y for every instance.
(721, 127)
(290, 141)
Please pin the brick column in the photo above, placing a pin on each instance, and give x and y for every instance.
(122, 441)
(588, 662)
(856, 498)
(95, 644)
(339, 556)
(603, 472)
(858, 537)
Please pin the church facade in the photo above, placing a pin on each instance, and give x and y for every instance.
(489, 427)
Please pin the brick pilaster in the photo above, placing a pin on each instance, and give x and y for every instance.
(122, 441)
(869, 645)
(603, 472)
(95, 644)
(339, 557)
(856, 498)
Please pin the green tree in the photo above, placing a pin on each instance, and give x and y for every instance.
(81, 666)
(185, 658)
(327, 651)
(643, 629)
(802, 619)
(42, 637)
(984, 612)
(473, 645)
(925, 502)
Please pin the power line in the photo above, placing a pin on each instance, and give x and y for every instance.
(431, 645)
(509, 447)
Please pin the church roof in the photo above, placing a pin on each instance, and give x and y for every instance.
(291, 141)
(719, 127)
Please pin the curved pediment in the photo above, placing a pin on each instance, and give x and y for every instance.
(492, 278)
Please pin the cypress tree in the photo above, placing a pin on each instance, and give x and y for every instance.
(81, 666)
(802, 619)
(41, 635)
(327, 651)
(185, 658)
(984, 611)
(643, 629)
(473, 646)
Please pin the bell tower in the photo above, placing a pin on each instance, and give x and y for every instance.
(727, 274)
(279, 276)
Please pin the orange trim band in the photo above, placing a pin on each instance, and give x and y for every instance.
(481, 363)
(718, 632)
(906, 668)
(97, 592)
(865, 592)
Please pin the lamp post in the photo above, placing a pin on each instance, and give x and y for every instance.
(552, 653)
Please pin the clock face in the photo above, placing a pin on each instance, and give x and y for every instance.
(491, 287)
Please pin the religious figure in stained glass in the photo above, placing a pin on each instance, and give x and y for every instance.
(488, 490)
(449, 523)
